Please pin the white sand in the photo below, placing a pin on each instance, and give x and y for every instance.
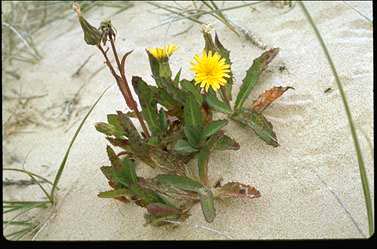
(316, 155)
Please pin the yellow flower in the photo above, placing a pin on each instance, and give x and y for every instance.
(210, 70)
(164, 52)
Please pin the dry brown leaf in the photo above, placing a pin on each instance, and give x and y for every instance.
(238, 190)
(266, 98)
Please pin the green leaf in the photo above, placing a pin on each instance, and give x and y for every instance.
(177, 76)
(146, 196)
(183, 146)
(261, 126)
(207, 204)
(136, 143)
(252, 75)
(175, 93)
(192, 112)
(129, 170)
(163, 119)
(193, 135)
(108, 172)
(153, 140)
(213, 127)
(167, 161)
(189, 87)
(113, 120)
(203, 157)
(226, 143)
(109, 130)
(166, 100)
(114, 193)
(217, 105)
(181, 182)
(225, 54)
(123, 170)
(148, 104)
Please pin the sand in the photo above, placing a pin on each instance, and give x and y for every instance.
(310, 184)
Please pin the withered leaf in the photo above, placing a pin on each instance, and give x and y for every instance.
(266, 98)
(159, 209)
(238, 190)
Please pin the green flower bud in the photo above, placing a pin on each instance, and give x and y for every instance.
(209, 44)
(92, 35)
(164, 69)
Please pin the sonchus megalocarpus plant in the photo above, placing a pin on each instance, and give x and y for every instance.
(179, 131)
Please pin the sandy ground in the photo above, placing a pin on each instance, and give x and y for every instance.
(310, 185)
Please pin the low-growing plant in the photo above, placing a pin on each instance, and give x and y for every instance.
(179, 128)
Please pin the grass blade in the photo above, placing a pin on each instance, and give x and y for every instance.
(29, 173)
(363, 175)
(62, 164)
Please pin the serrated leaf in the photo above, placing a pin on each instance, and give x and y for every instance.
(129, 170)
(167, 161)
(122, 143)
(183, 146)
(135, 141)
(192, 112)
(175, 93)
(189, 87)
(237, 190)
(207, 204)
(123, 170)
(114, 193)
(144, 196)
(193, 135)
(113, 120)
(265, 99)
(213, 127)
(203, 157)
(261, 126)
(115, 162)
(181, 182)
(226, 143)
(225, 54)
(109, 130)
(108, 172)
(252, 75)
(217, 105)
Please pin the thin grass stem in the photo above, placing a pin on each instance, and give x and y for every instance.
(363, 175)
(62, 164)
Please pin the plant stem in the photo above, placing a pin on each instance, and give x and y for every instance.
(363, 175)
(131, 101)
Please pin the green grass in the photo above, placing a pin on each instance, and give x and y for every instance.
(23, 207)
(360, 160)
(21, 20)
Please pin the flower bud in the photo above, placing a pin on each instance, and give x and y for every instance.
(209, 44)
(92, 35)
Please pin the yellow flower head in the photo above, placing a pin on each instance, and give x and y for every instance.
(164, 52)
(210, 70)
